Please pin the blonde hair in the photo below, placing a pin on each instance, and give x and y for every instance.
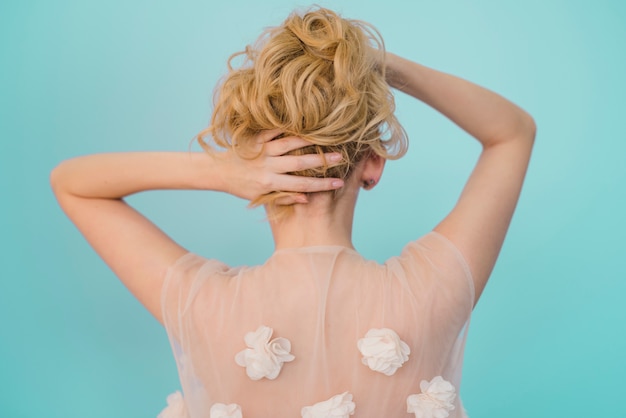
(319, 77)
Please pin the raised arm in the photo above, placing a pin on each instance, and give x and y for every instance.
(479, 221)
(91, 189)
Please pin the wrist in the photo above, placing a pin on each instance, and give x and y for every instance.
(208, 171)
(393, 73)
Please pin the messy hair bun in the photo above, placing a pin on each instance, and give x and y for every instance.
(317, 76)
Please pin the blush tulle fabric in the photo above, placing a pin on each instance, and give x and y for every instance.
(323, 300)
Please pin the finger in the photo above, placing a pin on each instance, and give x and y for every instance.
(267, 136)
(284, 145)
(291, 163)
(292, 199)
(308, 184)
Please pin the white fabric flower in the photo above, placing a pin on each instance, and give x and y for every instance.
(176, 407)
(435, 401)
(220, 410)
(383, 351)
(264, 358)
(339, 406)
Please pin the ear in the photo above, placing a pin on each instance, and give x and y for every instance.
(372, 171)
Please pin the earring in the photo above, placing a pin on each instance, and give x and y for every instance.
(369, 183)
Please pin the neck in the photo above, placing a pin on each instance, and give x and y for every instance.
(322, 221)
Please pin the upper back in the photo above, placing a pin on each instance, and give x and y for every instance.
(323, 300)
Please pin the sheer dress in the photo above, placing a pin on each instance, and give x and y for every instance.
(303, 317)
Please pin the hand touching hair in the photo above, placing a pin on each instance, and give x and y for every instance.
(316, 76)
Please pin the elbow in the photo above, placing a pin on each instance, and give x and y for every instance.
(56, 179)
(524, 132)
(529, 127)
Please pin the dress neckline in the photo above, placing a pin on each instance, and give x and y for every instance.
(315, 249)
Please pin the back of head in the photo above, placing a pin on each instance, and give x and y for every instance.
(317, 76)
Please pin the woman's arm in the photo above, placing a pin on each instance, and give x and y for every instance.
(478, 223)
(91, 189)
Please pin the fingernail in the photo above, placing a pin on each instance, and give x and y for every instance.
(301, 199)
(335, 157)
(337, 183)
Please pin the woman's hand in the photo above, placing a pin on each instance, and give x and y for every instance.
(251, 178)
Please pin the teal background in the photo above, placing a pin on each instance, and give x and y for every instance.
(77, 77)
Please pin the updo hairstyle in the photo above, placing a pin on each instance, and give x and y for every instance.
(319, 77)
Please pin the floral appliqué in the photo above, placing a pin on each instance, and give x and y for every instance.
(220, 410)
(176, 407)
(339, 406)
(383, 351)
(435, 401)
(264, 358)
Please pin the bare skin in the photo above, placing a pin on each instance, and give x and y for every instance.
(91, 189)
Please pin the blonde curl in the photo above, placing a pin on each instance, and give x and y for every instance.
(319, 77)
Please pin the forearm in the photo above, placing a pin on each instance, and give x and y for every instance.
(114, 176)
(485, 115)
